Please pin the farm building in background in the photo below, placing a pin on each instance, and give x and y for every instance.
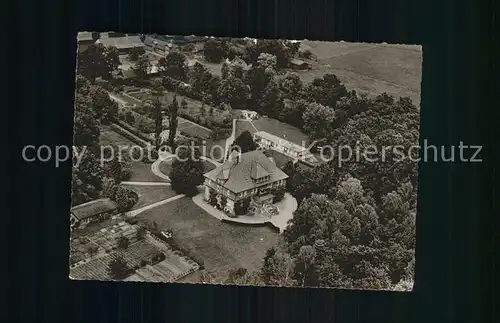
(84, 40)
(123, 44)
(299, 65)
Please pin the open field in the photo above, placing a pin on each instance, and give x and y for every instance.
(369, 68)
(150, 194)
(220, 246)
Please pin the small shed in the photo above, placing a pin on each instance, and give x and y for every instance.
(93, 211)
(299, 64)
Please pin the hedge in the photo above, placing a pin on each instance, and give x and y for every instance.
(127, 134)
(135, 132)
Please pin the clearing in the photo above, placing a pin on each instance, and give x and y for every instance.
(141, 172)
(369, 68)
(150, 194)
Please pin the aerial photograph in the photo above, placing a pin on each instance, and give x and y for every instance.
(242, 161)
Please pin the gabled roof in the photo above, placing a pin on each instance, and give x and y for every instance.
(295, 61)
(239, 173)
(258, 171)
(154, 42)
(84, 36)
(121, 42)
(280, 141)
(93, 208)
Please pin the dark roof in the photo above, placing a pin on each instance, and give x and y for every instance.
(84, 36)
(297, 62)
(154, 42)
(93, 208)
(239, 173)
(121, 42)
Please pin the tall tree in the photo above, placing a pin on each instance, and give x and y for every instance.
(87, 177)
(245, 142)
(214, 50)
(105, 109)
(327, 90)
(187, 171)
(233, 91)
(118, 268)
(273, 47)
(291, 86)
(158, 112)
(86, 127)
(175, 65)
(173, 110)
(318, 120)
(142, 67)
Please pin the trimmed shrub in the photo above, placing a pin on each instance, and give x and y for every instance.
(278, 195)
(132, 221)
(158, 258)
(125, 199)
(123, 242)
(241, 207)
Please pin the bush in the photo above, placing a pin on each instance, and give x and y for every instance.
(278, 195)
(241, 207)
(158, 258)
(141, 233)
(223, 202)
(120, 129)
(129, 117)
(143, 263)
(123, 242)
(220, 133)
(125, 199)
(150, 155)
(132, 221)
(146, 125)
(213, 199)
(137, 154)
(118, 268)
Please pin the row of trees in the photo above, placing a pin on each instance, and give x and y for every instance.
(217, 49)
(90, 178)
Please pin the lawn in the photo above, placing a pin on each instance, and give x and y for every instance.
(110, 137)
(166, 166)
(369, 68)
(193, 130)
(150, 194)
(218, 245)
(141, 172)
(242, 126)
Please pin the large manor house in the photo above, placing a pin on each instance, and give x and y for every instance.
(250, 175)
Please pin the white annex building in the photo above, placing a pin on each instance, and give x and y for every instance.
(288, 148)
